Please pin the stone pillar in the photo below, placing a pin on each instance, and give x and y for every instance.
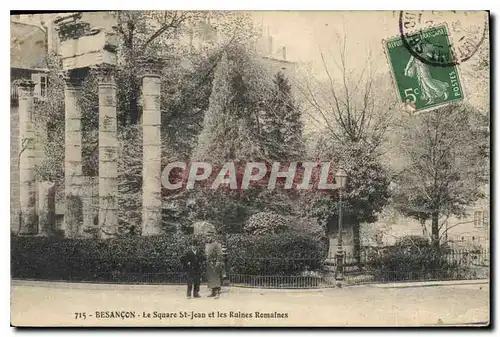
(151, 169)
(108, 146)
(27, 188)
(73, 217)
(47, 208)
(90, 205)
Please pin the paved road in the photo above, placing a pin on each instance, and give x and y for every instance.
(57, 304)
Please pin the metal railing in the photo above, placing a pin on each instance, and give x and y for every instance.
(288, 273)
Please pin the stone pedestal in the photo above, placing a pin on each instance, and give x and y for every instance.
(108, 145)
(151, 123)
(27, 189)
(47, 208)
(90, 204)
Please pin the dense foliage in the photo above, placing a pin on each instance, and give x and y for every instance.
(124, 258)
(413, 258)
(288, 253)
(445, 171)
(264, 223)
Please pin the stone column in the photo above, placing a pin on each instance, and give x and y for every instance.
(90, 206)
(27, 188)
(151, 169)
(108, 145)
(47, 207)
(73, 217)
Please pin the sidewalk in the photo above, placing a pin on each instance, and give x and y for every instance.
(430, 283)
(56, 304)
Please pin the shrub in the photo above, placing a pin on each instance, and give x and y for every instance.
(288, 253)
(412, 258)
(142, 259)
(414, 241)
(266, 223)
(95, 260)
(309, 226)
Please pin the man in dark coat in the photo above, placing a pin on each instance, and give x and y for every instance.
(193, 264)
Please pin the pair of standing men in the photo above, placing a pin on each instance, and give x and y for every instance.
(194, 261)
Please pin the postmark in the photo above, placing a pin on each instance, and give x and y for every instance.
(466, 32)
(421, 85)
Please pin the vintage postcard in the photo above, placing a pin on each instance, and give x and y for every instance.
(243, 169)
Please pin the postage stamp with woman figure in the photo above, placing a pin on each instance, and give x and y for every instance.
(425, 57)
(421, 85)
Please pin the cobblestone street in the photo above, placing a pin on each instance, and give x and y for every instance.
(63, 304)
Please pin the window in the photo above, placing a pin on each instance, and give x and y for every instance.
(480, 219)
(485, 219)
(14, 94)
(477, 216)
(41, 84)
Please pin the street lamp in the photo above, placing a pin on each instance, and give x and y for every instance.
(341, 178)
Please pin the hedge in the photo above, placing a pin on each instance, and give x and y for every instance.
(141, 258)
(413, 257)
(288, 253)
(86, 259)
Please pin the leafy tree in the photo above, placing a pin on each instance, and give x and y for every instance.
(353, 107)
(365, 195)
(445, 172)
(281, 124)
(161, 33)
(244, 124)
(218, 142)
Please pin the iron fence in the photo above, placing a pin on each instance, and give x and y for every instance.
(472, 257)
(391, 276)
(298, 273)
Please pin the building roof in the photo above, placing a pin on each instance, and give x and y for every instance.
(28, 46)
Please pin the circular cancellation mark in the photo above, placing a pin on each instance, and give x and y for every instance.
(465, 31)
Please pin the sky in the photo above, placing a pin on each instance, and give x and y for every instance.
(308, 33)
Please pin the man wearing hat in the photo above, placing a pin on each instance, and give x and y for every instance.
(193, 264)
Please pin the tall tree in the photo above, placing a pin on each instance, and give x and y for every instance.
(140, 32)
(445, 172)
(365, 195)
(216, 141)
(353, 107)
(352, 104)
(249, 118)
(281, 123)
(170, 34)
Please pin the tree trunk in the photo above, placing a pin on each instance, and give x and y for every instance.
(356, 236)
(435, 230)
(133, 83)
(133, 101)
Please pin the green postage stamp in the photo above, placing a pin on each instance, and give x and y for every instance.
(424, 74)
